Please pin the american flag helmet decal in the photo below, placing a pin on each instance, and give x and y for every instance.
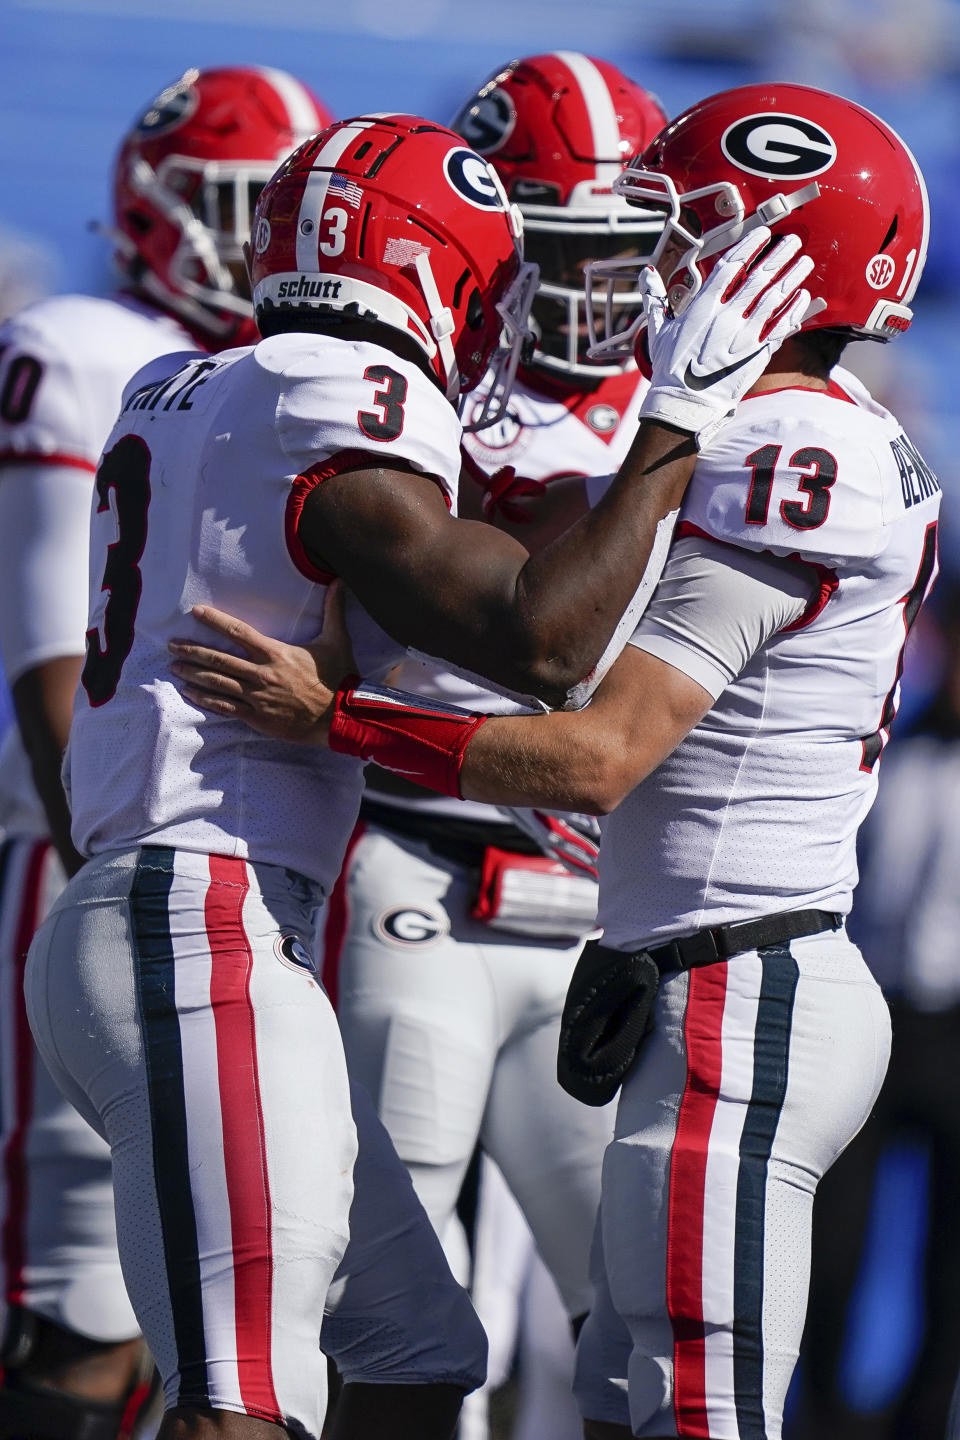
(349, 189)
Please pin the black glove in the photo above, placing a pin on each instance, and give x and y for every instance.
(606, 1017)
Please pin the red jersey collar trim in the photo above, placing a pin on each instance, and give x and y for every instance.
(835, 391)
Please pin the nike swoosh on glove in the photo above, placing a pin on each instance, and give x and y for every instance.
(705, 360)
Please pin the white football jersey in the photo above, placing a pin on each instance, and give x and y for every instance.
(197, 498)
(544, 438)
(550, 430)
(63, 365)
(757, 810)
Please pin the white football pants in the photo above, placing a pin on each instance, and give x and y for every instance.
(452, 1027)
(58, 1239)
(760, 1071)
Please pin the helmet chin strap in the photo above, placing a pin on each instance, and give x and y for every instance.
(768, 212)
(442, 324)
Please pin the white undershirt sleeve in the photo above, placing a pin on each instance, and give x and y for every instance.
(716, 605)
(44, 547)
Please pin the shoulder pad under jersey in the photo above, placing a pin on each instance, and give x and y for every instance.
(340, 396)
(801, 472)
(63, 365)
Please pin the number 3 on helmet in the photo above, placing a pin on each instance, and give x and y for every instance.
(393, 220)
(804, 162)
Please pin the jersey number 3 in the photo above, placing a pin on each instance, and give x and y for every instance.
(124, 470)
(388, 425)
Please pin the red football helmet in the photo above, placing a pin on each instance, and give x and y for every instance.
(187, 179)
(390, 218)
(801, 161)
(559, 129)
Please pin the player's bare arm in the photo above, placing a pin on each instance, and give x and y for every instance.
(44, 518)
(540, 623)
(43, 700)
(469, 593)
(532, 511)
(586, 760)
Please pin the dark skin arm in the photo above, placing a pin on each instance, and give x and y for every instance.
(43, 700)
(473, 595)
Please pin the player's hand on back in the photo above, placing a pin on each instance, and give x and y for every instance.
(707, 358)
(282, 691)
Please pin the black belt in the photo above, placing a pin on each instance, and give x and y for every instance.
(461, 841)
(707, 946)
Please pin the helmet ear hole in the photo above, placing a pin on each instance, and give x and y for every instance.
(475, 311)
(889, 235)
(142, 224)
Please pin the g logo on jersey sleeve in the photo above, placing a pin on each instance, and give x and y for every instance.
(487, 121)
(779, 147)
(473, 179)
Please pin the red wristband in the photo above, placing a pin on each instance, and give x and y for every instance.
(424, 740)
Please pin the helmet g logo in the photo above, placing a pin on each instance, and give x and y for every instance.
(171, 107)
(487, 121)
(473, 179)
(779, 147)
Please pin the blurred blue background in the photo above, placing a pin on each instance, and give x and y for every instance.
(75, 73)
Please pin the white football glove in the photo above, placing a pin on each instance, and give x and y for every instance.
(707, 358)
(574, 840)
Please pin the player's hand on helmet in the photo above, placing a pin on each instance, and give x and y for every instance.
(573, 840)
(281, 691)
(706, 359)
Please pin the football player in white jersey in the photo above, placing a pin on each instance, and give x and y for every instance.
(733, 749)
(185, 181)
(385, 261)
(452, 936)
